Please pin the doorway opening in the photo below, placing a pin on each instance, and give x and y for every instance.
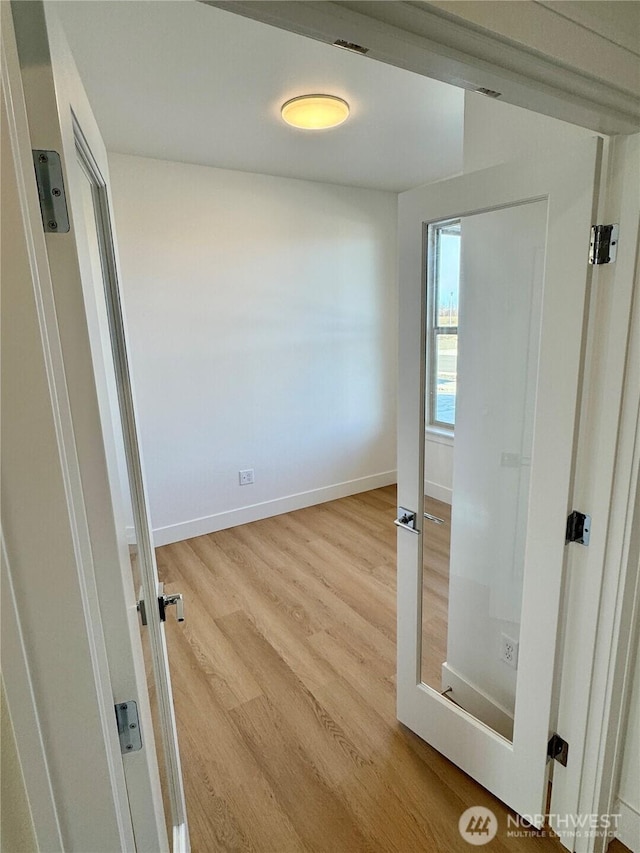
(297, 355)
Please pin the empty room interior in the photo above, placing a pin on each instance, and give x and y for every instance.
(259, 284)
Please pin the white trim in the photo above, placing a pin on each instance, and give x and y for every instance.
(181, 842)
(82, 601)
(474, 700)
(601, 585)
(439, 435)
(108, 333)
(440, 493)
(444, 437)
(628, 825)
(23, 711)
(266, 509)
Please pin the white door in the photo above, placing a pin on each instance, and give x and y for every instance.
(493, 284)
(73, 179)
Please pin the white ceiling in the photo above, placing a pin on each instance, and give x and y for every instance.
(179, 80)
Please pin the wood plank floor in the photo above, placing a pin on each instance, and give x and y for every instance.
(284, 688)
(436, 540)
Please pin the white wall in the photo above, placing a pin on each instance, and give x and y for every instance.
(495, 132)
(262, 321)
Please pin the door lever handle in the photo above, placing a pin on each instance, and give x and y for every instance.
(164, 600)
(407, 520)
(176, 599)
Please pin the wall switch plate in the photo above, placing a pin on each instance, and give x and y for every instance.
(509, 651)
(246, 477)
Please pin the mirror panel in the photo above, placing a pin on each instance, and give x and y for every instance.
(484, 280)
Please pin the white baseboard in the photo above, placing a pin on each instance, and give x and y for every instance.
(440, 493)
(476, 702)
(628, 826)
(266, 509)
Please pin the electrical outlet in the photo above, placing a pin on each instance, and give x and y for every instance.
(509, 651)
(246, 477)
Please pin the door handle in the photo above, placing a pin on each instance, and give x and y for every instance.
(436, 519)
(174, 599)
(406, 520)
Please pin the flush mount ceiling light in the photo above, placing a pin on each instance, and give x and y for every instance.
(315, 112)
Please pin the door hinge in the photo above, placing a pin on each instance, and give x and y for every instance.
(558, 749)
(578, 528)
(603, 247)
(128, 726)
(53, 202)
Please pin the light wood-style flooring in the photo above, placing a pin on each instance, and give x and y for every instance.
(436, 539)
(283, 676)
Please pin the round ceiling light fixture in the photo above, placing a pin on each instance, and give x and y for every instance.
(315, 112)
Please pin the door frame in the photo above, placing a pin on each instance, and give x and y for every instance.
(603, 581)
(47, 744)
(609, 433)
(101, 583)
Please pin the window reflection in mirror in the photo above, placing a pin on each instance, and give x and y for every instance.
(443, 285)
